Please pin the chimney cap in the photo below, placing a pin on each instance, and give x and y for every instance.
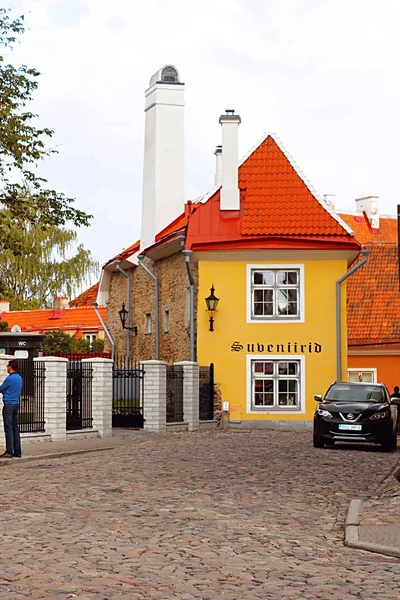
(218, 150)
(230, 117)
(168, 74)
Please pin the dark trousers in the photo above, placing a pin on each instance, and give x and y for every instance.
(11, 428)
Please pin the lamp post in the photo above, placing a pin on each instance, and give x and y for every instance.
(212, 303)
(123, 313)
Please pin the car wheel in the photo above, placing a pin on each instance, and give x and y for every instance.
(387, 446)
(317, 442)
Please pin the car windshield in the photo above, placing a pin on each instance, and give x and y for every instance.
(355, 393)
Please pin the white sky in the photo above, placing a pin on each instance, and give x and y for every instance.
(322, 74)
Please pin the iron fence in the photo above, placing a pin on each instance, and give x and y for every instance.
(79, 395)
(31, 409)
(174, 394)
(206, 393)
(128, 393)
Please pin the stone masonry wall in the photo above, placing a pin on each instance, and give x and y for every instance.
(174, 298)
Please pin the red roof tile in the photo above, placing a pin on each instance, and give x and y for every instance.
(126, 253)
(387, 232)
(277, 201)
(373, 298)
(40, 320)
(86, 298)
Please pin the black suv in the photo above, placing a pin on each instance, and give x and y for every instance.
(356, 412)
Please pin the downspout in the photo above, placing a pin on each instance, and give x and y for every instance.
(365, 254)
(108, 334)
(186, 254)
(146, 268)
(128, 307)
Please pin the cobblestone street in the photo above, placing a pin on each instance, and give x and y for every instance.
(213, 515)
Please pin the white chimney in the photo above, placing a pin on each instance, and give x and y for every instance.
(218, 165)
(230, 195)
(369, 205)
(4, 306)
(163, 170)
(60, 302)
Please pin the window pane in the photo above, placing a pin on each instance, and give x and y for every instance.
(263, 302)
(263, 277)
(288, 392)
(267, 368)
(287, 302)
(287, 277)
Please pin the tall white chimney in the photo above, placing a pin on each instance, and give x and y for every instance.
(218, 165)
(163, 170)
(230, 195)
(369, 205)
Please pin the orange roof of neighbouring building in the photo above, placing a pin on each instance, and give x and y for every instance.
(386, 234)
(86, 298)
(373, 298)
(48, 319)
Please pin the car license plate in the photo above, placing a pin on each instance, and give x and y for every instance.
(343, 427)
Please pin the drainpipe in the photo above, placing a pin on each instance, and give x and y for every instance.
(128, 306)
(108, 334)
(146, 268)
(186, 254)
(365, 254)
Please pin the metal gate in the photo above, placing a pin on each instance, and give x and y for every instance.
(128, 392)
(31, 410)
(206, 393)
(174, 394)
(79, 395)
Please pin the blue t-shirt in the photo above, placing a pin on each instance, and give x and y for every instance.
(11, 388)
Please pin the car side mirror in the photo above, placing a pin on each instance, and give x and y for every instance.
(318, 398)
(395, 401)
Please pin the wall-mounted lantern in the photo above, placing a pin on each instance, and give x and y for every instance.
(212, 303)
(123, 313)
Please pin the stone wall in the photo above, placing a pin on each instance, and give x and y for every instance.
(174, 298)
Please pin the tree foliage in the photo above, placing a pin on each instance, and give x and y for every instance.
(23, 193)
(50, 264)
(59, 342)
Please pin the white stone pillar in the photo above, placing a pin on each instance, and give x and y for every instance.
(4, 359)
(102, 382)
(155, 394)
(191, 372)
(55, 396)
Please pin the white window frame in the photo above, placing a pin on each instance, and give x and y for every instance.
(364, 370)
(90, 337)
(249, 385)
(249, 297)
(148, 324)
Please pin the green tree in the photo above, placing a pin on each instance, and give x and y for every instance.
(51, 264)
(58, 342)
(3, 326)
(98, 346)
(23, 193)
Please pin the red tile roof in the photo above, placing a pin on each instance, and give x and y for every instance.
(387, 232)
(86, 298)
(373, 298)
(48, 319)
(126, 253)
(277, 201)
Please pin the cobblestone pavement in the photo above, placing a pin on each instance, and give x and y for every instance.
(213, 515)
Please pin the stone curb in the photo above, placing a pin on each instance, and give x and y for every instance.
(19, 461)
(352, 533)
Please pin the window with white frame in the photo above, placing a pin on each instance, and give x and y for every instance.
(90, 337)
(275, 384)
(148, 324)
(362, 375)
(275, 293)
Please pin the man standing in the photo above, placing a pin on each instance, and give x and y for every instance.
(396, 394)
(11, 390)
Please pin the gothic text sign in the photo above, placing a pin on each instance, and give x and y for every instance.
(285, 348)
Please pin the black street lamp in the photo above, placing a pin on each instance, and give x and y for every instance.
(123, 313)
(212, 303)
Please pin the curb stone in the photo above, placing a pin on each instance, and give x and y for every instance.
(23, 460)
(352, 533)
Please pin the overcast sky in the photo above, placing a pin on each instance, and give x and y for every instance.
(322, 74)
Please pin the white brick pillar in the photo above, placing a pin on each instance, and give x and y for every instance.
(190, 393)
(155, 394)
(4, 358)
(102, 381)
(55, 396)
